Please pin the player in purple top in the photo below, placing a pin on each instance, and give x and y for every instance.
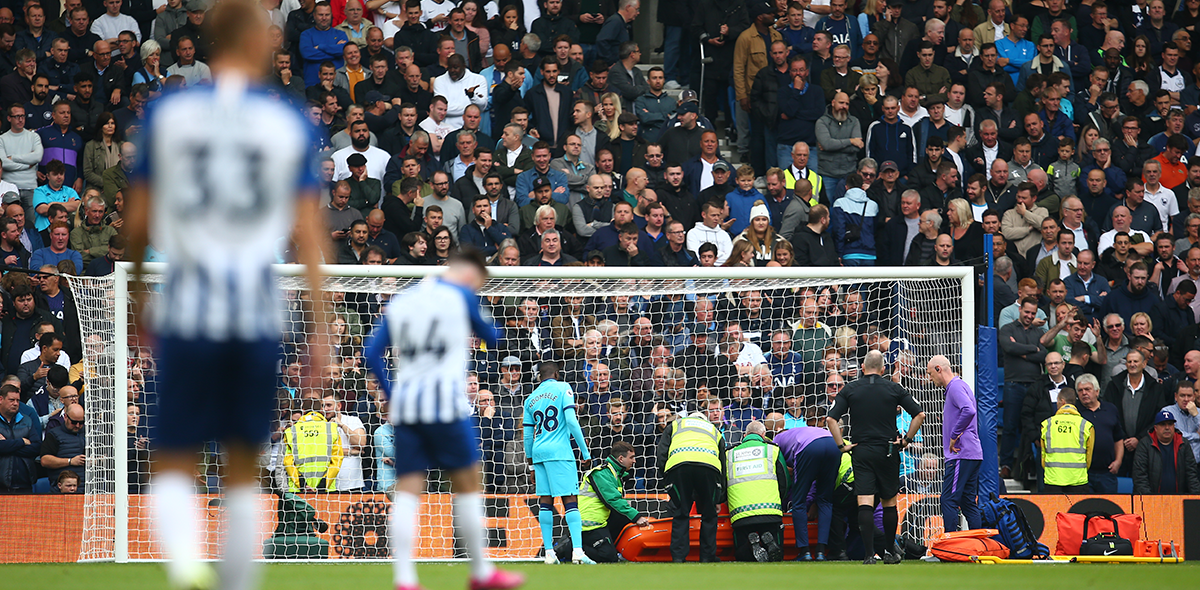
(960, 443)
(814, 458)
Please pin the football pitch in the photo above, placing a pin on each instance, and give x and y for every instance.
(631, 576)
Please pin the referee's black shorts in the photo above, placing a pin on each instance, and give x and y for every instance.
(875, 473)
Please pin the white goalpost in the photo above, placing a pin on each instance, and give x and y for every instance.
(625, 339)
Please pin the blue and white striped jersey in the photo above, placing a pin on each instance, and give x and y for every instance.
(225, 165)
(427, 327)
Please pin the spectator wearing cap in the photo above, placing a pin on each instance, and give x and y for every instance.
(364, 190)
(681, 142)
(1164, 462)
(461, 88)
(320, 43)
(629, 148)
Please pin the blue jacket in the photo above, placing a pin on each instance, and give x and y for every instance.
(1096, 292)
(558, 182)
(855, 41)
(802, 110)
(17, 469)
(485, 240)
(854, 209)
(787, 371)
(740, 203)
(1061, 127)
(892, 141)
(318, 46)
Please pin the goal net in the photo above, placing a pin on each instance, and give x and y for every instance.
(638, 346)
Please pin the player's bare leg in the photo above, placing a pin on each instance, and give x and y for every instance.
(468, 520)
(178, 521)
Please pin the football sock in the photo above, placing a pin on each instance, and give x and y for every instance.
(178, 520)
(468, 518)
(574, 524)
(404, 513)
(546, 522)
(242, 528)
(890, 521)
(866, 529)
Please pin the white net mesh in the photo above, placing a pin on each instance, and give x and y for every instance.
(637, 351)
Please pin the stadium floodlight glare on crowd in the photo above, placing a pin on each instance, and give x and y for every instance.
(930, 309)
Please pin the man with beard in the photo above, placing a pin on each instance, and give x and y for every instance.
(1132, 297)
(676, 197)
(840, 139)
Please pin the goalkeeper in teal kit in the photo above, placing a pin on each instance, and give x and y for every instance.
(549, 425)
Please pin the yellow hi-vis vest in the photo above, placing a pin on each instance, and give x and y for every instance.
(753, 489)
(813, 178)
(592, 510)
(314, 452)
(1064, 449)
(693, 440)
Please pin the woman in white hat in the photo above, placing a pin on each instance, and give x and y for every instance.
(760, 235)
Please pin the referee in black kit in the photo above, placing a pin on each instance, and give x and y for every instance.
(871, 401)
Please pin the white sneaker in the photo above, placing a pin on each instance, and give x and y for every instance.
(551, 558)
(578, 556)
(672, 85)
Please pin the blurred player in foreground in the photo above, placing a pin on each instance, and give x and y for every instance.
(225, 173)
(550, 424)
(427, 328)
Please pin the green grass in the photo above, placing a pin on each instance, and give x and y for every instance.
(851, 576)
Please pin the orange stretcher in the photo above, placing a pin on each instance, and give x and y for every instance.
(653, 543)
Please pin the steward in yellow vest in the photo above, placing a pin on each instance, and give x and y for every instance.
(757, 480)
(692, 453)
(1067, 440)
(313, 454)
(603, 508)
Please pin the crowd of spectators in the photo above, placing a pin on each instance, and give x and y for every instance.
(884, 132)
